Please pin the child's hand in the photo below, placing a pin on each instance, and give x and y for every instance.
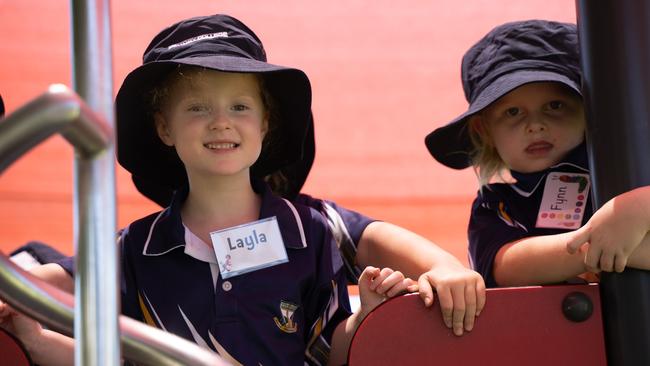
(461, 294)
(21, 326)
(376, 285)
(613, 232)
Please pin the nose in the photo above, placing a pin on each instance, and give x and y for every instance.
(535, 124)
(219, 121)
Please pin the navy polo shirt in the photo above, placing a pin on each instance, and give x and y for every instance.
(346, 227)
(280, 315)
(503, 213)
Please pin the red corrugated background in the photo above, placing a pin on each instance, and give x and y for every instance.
(384, 74)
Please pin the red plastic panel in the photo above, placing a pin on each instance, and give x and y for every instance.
(11, 351)
(518, 326)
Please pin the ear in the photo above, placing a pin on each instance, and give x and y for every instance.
(265, 123)
(162, 129)
(477, 124)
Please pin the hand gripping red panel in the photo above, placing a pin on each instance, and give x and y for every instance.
(518, 326)
(12, 351)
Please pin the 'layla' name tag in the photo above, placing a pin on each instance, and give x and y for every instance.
(249, 247)
(564, 200)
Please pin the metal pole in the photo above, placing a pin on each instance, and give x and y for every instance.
(96, 282)
(615, 51)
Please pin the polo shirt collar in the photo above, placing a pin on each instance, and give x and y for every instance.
(527, 183)
(168, 233)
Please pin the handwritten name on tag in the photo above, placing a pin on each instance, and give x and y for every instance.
(249, 247)
(564, 200)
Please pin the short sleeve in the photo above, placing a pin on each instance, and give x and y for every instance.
(346, 226)
(328, 303)
(128, 289)
(67, 263)
(491, 226)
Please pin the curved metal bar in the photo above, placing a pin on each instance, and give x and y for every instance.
(141, 343)
(96, 282)
(36, 298)
(58, 110)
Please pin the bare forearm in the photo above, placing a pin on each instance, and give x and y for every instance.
(386, 245)
(342, 338)
(537, 260)
(55, 275)
(640, 257)
(52, 349)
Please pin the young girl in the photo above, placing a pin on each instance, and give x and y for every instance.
(524, 135)
(229, 265)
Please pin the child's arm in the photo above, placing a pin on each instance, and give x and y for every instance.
(615, 231)
(543, 259)
(45, 347)
(375, 286)
(537, 260)
(55, 275)
(461, 291)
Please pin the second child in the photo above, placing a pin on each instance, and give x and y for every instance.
(524, 134)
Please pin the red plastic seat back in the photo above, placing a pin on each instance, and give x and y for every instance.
(12, 351)
(518, 326)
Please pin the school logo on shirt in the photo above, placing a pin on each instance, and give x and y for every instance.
(286, 324)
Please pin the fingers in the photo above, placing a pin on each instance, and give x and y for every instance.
(581, 236)
(480, 296)
(446, 301)
(606, 262)
(592, 259)
(368, 274)
(620, 263)
(426, 291)
(458, 314)
(387, 282)
(470, 308)
(391, 283)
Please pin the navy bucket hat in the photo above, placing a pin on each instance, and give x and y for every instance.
(215, 42)
(509, 56)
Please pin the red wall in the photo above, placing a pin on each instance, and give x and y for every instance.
(383, 76)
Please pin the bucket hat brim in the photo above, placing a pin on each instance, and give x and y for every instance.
(140, 151)
(451, 145)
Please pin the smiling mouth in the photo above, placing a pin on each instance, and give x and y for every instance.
(541, 147)
(221, 145)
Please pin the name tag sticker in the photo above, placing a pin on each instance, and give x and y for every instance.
(564, 200)
(249, 247)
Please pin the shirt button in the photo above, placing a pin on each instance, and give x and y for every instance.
(226, 285)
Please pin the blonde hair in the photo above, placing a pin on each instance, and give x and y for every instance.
(485, 158)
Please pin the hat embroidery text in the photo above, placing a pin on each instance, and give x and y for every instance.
(199, 38)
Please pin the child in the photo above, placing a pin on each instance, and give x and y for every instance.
(363, 241)
(228, 264)
(525, 127)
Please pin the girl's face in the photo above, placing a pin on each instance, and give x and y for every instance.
(534, 126)
(216, 121)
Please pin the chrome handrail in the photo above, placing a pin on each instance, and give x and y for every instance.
(60, 110)
(140, 343)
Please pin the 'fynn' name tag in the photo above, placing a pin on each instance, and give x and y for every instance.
(249, 247)
(564, 200)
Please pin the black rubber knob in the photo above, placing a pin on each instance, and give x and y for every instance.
(577, 307)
